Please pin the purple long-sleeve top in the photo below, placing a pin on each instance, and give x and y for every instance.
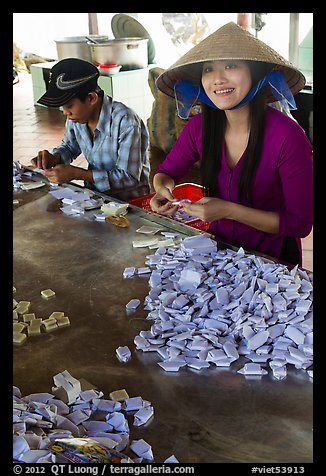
(283, 182)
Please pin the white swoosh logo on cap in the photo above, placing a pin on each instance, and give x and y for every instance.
(61, 84)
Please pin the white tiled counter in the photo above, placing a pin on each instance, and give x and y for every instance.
(129, 87)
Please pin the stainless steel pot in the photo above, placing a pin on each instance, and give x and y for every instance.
(130, 53)
(76, 46)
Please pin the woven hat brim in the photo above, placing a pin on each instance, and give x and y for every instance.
(230, 42)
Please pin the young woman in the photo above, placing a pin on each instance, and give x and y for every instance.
(256, 162)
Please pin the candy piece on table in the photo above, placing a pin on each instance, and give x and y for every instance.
(47, 293)
(34, 327)
(49, 324)
(23, 307)
(18, 326)
(28, 317)
(19, 338)
(56, 314)
(63, 321)
(119, 395)
(114, 209)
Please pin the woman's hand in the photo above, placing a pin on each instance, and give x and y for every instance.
(162, 202)
(211, 208)
(208, 208)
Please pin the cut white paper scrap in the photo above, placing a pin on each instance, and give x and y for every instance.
(68, 201)
(54, 434)
(91, 394)
(79, 416)
(294, 334)
(171, 365)
(196, 363)
(147, 229)
(128, 272)
(99, 216)
(252, 369)
(20, 446)
(94, 426)
(31, 186)
(170, 234)
(66, 192)
(133, 403)
(38, 397)
(143, 415)
(179, 202)
(189, 279)
(165, 243)
(171, 459)
(66, 424)
(105, 441)
(71, 210)
(141, 448)
(123, 353)
(108, 406)
(279, 372)
(133, 304)
(145, 241)
(32, 456)
(118, 422)
(143, 270)
(258, 340)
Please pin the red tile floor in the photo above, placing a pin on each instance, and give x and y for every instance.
(36, 128)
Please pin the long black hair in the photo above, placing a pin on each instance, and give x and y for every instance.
(213, 130)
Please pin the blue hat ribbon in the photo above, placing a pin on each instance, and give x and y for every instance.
(187, 93)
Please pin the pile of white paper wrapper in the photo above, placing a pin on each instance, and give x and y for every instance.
(68, 412)
(211, 306)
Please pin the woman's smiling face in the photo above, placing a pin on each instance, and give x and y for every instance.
(226, 82)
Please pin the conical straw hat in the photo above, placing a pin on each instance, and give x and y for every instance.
(230, 42)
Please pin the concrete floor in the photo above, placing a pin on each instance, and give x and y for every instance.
(36, 128)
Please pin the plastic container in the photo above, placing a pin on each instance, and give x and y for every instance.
(191, 191)
(108, 68)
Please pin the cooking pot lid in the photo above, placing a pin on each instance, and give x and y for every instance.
(125, 26)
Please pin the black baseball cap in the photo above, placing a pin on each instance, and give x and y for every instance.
(69, 77)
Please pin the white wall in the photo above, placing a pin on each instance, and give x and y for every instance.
(36, 32)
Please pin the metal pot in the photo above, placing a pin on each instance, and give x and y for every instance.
(76, 47)
(130, 53)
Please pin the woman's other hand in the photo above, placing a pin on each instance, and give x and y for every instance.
(162, 202)
(208, 208)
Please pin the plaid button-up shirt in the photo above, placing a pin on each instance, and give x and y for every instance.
(118, 156)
